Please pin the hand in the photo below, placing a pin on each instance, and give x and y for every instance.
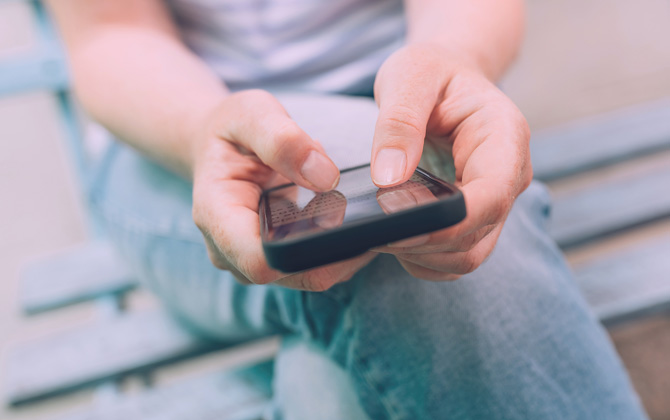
(250, 143)
(424, 93)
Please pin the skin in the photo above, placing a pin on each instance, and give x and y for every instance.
(133, 74)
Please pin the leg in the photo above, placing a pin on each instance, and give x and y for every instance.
(512, 340)
(146, 211)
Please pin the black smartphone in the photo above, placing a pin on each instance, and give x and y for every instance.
(301, 229)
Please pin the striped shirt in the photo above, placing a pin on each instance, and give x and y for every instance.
(299, 45)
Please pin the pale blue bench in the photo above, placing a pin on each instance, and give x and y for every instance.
(621, 286)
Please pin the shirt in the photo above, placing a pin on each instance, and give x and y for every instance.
(328, 46)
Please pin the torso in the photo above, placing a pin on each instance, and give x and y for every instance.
(305, 45)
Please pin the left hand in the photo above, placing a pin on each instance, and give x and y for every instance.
(423, 92)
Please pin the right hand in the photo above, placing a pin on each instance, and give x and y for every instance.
(250, 143)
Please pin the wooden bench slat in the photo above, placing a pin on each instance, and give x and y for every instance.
(131, 343)
(601, 140)
(610, 207)
(230, 395)
(74, 275)
(628, 283)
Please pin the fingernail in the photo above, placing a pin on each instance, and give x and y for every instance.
(320, 172)
(389, 166)
(415, 241)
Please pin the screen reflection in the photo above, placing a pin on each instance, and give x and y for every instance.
(296, 211)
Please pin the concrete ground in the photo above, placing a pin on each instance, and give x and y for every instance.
(581, 57)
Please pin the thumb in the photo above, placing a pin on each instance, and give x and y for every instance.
(406, 92)
(259, 123)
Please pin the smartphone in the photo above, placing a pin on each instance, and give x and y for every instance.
(302, 229)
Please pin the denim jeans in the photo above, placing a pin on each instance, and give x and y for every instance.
(512, 340)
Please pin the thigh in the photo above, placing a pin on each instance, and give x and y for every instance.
(146, 212)
(512, 340)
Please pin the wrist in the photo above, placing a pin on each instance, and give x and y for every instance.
(431, 65)
(454, 60)
(199, 131)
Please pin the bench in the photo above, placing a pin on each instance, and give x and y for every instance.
(609, 176)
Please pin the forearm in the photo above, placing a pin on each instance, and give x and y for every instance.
(144, 85)
(148, 90)
(484, 33)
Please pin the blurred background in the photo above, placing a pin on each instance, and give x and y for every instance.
(581, 58)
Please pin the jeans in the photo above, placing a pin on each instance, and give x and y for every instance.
(512, 340)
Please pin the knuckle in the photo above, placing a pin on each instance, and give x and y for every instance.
(320, 285)
(452, 277)
(263, 275)
(523, 126)
(199, 218)
(287, 132)
(420, 272)
(403, 121)
(215, 256)
(196, 214)
(526, 171)
(252, 96)
(468, 263)
(256, 271)
(259, 276)
(436, 276)
(414, 271)
(502, 205)
(323, 279)
(285, 140)
(201, 210)
(217, 262)
(314, 283)
(445, 277)
(468, 242)
(527, 177)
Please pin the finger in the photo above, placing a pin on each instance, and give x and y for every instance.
(440, 241)
(424, 273)
(277, 140)
(323, 278)
(220, 262)
(409, 243)
(236, 245)
(407, 91)
(226, 212)
(455, 262)
(488, 201)
(493, 163)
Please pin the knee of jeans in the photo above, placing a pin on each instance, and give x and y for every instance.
(309, 385)
(524, 285)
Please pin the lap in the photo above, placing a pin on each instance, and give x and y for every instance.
(513, 336)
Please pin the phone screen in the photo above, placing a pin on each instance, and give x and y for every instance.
(292, 211)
